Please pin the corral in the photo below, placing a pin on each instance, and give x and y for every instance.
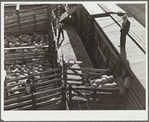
(65, 72)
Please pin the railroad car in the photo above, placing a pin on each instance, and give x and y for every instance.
(100, 33)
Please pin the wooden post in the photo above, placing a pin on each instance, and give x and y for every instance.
(116, 98)
(87, 76)
(65, 75)
(6, 94)
(63, 105)
(59, 84)
(49, 14)
(54, 54)
(5, 90)
(64, 86)
(18, 13)
(34, 101)
(94, 95)
(70, 97)
(35, 23)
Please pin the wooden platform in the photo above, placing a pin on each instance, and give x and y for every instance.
(73, 50)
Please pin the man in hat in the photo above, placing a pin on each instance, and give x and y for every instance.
(124, 30)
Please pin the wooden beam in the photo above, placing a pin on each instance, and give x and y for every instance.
(12, 106)
(91, 88)
(91, 69)
(28, 47)
(48, 92)
(49, 14)
(48, 102)
(14, 100)
(56, 94)
(43, 73)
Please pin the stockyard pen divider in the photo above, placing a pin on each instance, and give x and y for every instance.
(49, 89)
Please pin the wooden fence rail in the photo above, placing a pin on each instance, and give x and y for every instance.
(45, 90)
(35, 99)
(43, 73)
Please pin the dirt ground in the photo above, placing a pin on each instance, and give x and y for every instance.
(136, 11)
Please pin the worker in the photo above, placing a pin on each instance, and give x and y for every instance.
(60, 31)
(124, 30)
(54, 22)
(28, 87)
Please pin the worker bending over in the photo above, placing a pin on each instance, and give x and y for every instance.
(124, 30)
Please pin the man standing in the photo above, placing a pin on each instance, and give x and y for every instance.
(124, 30)
(54, 21)
(60, 31)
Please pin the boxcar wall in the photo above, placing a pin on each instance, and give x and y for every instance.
(104, 54)
(98, 48)
(84, 23)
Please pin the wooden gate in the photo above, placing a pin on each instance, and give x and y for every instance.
(82, 96)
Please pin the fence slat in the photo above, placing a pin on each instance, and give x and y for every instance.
(91, 69)
(14, 100)
(8, 107)
(49, 81)
(47, 102)
(28, 107)
(43, 73)
(48, 91)
(48, 97)
(28, 47)
(91, 88)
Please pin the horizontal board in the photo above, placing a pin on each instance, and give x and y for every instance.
(48, 102)
(45, 72)
(55, 95)
(24, 103)
(14, 100)
(48, 91)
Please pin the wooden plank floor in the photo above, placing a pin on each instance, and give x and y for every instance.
(73, 50)
(135, 56)
(72, 47)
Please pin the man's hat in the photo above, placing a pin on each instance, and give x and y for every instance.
(125, 16)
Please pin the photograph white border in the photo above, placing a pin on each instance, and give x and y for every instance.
(94, 115)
